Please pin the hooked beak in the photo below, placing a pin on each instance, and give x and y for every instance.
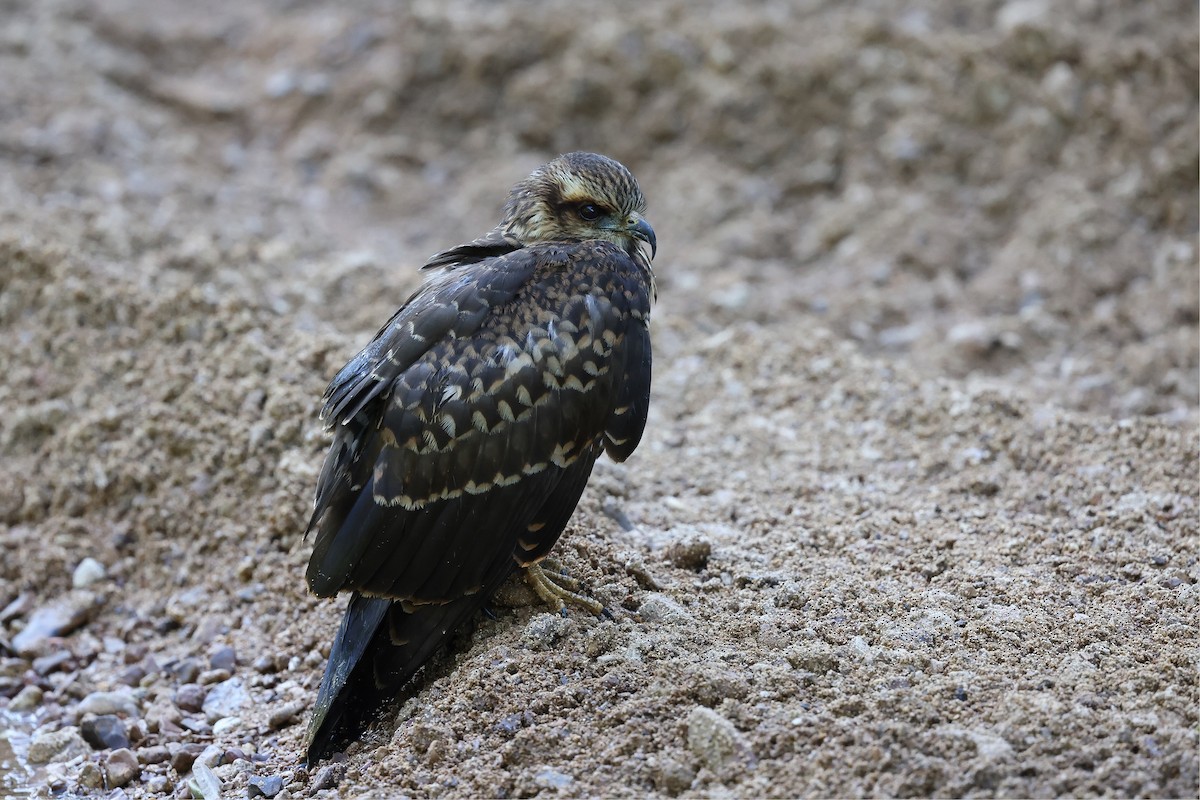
(640, 229)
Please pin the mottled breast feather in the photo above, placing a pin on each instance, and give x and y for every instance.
(496, 382)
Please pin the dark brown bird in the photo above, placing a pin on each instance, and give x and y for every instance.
(465, 432)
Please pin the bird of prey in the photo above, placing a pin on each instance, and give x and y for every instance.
(464, 433)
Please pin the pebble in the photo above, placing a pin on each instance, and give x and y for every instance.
(224, 658)
(51, 662)
(159, 784)
(660, 608)
(545, 630)
(327, 777)
(211, 756)
(183, 758)
(61, 745)
(266, 665)
(88, 571)
(286, 716)
(57, 618)
(155, 754)
(162, 716)
(115, 702)
(714, 740)
(27, 699)
(190, 697)
(1022, 14)
(204, 783)
(132, 676)
(211, 676)
(553, 779)
(673, 776)
(197, 726)
(90, 776)
(264, 787)
(105, 732)
(121, 766)
(691, 554)
(225, 699)
(186, 670)
(19, 607)
(225, 725)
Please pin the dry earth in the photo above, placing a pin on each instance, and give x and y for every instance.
(916, 513)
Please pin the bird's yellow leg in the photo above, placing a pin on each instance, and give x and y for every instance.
(558, 589)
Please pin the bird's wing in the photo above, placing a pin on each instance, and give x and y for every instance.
(448, 457)
(494, 243)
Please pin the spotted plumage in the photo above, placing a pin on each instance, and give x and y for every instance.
(465, 432)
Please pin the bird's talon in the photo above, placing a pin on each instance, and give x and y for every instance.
(557, 592)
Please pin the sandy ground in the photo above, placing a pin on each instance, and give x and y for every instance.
(916, 512)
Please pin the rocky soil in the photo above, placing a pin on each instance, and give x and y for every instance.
(916, 512)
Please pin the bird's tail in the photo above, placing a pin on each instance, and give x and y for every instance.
(378, 648)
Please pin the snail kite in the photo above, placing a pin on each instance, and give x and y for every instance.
(464, 433)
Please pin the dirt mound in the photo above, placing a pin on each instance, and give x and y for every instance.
(917, 508)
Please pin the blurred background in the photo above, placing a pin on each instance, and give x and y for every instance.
(996, 189)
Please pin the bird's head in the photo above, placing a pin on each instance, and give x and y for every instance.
(576, 197)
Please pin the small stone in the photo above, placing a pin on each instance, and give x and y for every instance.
(156, 754)
(715, 741)
(90, 776)
(162, 716)
(186, 670)
(552, 779)
(183, 758)
(658, 607)
(204, 783)
(19, 607)
(327, 777)
(690, 554)
(1022, 14)
(210, 756)
(286, 716)
(61, 745)
(190, 697)
(816, 657)
(159, 784)
(225, 699)
(862, 649)
(263, 787)
(57, 618)
(88, 571)
(121, 766)
(27, 699)
(209, 628)
(673, 776)
(211, 676)
(223, 658)
(225, 725)
(198, 726)
(51, 662)
(545, 630)
(266, 665)
(132, 676)
(105, 732)
(116, 702)
(973, 338)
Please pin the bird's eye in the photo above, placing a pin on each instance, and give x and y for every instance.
(589, 212)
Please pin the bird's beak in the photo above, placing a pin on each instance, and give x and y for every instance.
(640, 229)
